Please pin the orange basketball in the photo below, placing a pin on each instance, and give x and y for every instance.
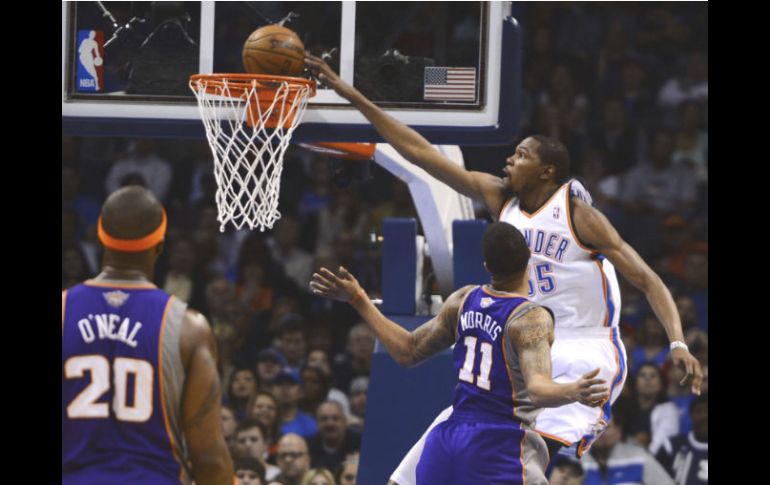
(274, 50)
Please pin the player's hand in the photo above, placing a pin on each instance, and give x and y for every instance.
(691, 366)
(341, 287)
(592, 391)
(320, 69)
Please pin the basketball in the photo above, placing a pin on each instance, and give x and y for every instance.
(274, 50)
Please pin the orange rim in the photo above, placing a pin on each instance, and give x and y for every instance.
(238, 85)
(238, 82)
(347, 151)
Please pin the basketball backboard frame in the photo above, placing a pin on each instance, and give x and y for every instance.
(328, 117)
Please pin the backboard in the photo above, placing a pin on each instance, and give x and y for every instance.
(451, 70)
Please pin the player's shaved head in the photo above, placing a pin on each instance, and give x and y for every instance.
(505, 250)
(131, 213)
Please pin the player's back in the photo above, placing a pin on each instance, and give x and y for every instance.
(122, 381)
(487, 438)
(486, 387)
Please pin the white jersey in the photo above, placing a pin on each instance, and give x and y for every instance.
(577, 283)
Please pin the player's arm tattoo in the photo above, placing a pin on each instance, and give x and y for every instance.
(531, 333)
(438, 333)
(208, 404)
(430, 339)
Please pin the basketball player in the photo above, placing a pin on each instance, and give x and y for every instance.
(140, 390)
(503, 362)
(574, 252)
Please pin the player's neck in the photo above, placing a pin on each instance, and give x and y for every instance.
(111, 272)
(511, 285)
(532, 200)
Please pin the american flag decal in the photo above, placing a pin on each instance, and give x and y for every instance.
(450, 83)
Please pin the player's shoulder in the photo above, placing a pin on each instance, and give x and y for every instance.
(195, 322)
(529, 313)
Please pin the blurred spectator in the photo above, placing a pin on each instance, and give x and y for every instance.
(655, 418)
(249, 471)
(692, 85)
(704, 388)
(616, 139)
(651, 344)
(315, 389)
(343, 214)
(297, 264)
(357, 360)
(686, 456)
(73, 266)
(696, 284)
(612, 460)
(698, 342)
(638, 100)
(677, 242)
(269, 365)
(242, 386)
(566, 471)
(251, 443)
(660, 185)
(334, 440)
(291, 341)
(359, 388)
(319, 359)
(86, 208)
(293, 459)
(679, 394)
(319, 476)
(142, 160)
(264, 408)
(347, 472)
(229, 425)
(287, 391)
(692, 140)
(184, 279)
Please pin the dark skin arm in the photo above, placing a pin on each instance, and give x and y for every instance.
(594, 230)
(201, 404)
(532, 336)
(406, 348)
(481, 186)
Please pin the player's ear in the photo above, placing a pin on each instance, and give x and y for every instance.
(486, 268)
(548, 173)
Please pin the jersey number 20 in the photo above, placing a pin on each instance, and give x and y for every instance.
(85, 405)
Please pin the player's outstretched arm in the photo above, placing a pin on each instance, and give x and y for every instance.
(411, 145)
(406, 348)
(593, 228)
(532, 334)
(201, 403)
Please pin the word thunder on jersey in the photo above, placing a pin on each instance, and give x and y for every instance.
(122, 379)
(577, 283)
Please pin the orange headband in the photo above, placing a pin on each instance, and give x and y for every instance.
(133, 245)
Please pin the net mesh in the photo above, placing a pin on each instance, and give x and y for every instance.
(248, 125)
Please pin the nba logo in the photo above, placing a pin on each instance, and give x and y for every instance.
(90, 72)
(485, 302)
(555, 212)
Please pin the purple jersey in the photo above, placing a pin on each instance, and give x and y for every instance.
(485, 389)
(487, 438)
(122, 379)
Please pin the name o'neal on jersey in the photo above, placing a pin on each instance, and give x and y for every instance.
(107, 328)
(470, 320)
(548, 244)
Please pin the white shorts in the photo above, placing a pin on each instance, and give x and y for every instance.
(574, 353)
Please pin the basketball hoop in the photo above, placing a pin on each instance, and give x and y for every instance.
(249, 120)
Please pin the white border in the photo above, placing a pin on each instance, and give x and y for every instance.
(488, 116)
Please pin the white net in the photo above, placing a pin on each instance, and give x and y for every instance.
(249, 126)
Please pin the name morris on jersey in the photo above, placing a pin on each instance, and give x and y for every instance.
(548, 244)
(470, 320)
(107, 328)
